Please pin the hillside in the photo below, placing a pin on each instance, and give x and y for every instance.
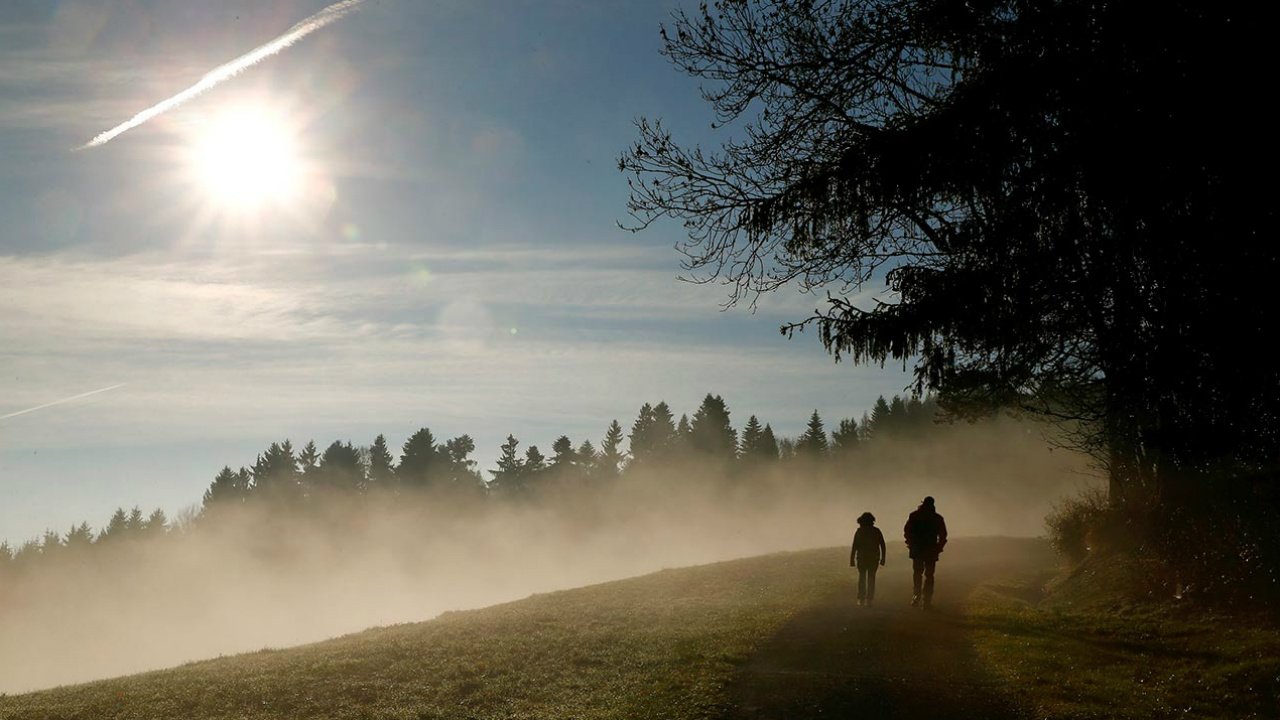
(772, 636)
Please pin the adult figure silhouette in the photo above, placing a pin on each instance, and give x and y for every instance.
(868, 555)
(926, 535)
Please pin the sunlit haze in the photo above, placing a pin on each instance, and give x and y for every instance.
(245, 158)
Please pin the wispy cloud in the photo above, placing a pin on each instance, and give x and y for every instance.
(62, 401)
(226, 71)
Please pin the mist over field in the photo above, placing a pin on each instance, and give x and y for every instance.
(265, 576)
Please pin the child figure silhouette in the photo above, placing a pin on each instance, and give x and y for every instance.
(868, 555)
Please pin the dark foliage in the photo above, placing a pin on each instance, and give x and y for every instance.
(1066, 200)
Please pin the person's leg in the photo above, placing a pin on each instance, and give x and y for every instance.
(917, 567)
(871, 585)
(929, 566)
(862, 585)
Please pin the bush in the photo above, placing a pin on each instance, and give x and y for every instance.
(1075, 523)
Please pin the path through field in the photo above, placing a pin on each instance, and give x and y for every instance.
(887, 662)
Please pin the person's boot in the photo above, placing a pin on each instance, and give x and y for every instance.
(915, 601)
(928, 602)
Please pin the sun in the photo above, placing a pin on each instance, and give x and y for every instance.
(246, 158)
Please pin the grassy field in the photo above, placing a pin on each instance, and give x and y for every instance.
(661, 645)
(666, 646)
(1086, 651)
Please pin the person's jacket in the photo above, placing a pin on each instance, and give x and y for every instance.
(925, 533)
(868, 547)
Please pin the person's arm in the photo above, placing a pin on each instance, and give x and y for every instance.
(883, 551)
(853, 554)
(906, 531)
(942, 533)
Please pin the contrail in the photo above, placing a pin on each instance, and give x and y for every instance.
(59, 402)
(226, 71)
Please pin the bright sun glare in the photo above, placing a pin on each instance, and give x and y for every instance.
(246, 158)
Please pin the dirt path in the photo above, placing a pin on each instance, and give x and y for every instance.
(887, 662)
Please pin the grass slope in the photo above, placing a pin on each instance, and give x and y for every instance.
(1089, 650)
(662, 645)
(666, 645)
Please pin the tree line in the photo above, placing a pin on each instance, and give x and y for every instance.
(283, 475)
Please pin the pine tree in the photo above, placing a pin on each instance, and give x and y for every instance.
(813, 443)
(51, 545)
(710, 431)
(564, 456)
(135, 524)
(587, 459)
(225, 489)
(663, 431)
(78, 539)
(156, 525)
(768, 444)
(750, 438)
(507, 476)
(117, 527)
(420, 461)
(382, 472)
(898, 420)
(611, 455)
(275, 473)
(341, 468)
(879, 424)
(683, 441)
(461, 469)
(641, 440)
(308, 460)
(535, 463)
(844, 439)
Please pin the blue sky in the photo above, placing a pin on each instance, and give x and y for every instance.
(454, 260)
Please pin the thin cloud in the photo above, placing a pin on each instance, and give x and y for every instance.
(226, 71)
(60, 402)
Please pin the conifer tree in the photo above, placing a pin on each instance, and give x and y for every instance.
(663, 437)
(461, 474)
(117, 527)
(228, 487)
(79, 538)
(813, 443)
(768, 444)
(156, 525)
(844, 439)
(308, 460)
(587, 458)
(506, 476)
(641, 440)
(341, 468)
(534, 465)
(611, 456)
(898, 420)
(564, 456)
(51, 545)
(749, 445)
(879, 423)
(684, 430)
(134, 525)
(382, 472)
(710, 432)
(420, 461)
(275, 473)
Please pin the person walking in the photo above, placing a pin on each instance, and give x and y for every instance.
(868, 555)
(926, 535)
